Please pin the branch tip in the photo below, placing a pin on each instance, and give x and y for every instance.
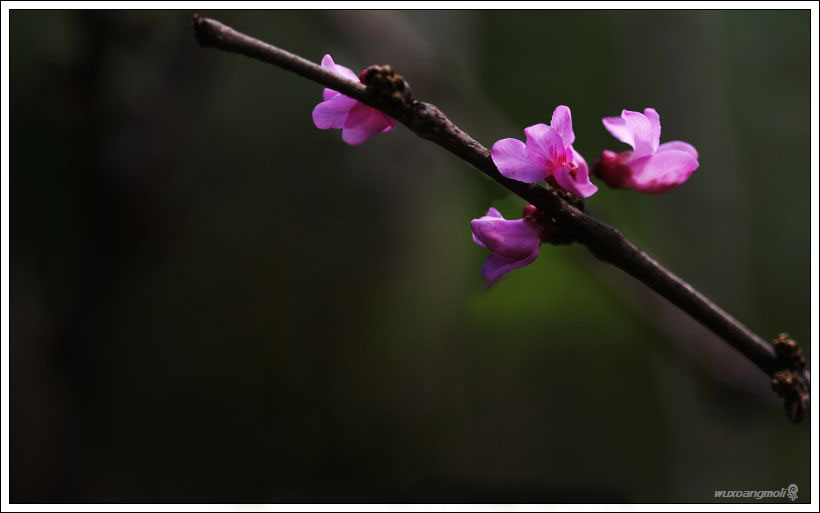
(198, 24)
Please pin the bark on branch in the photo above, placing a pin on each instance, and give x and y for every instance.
(382, 89)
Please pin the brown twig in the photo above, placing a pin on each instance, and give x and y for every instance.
(382, 89)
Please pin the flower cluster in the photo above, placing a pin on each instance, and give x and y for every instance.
(358, 121)
(512, 243)
(650, 167)
(546, 154)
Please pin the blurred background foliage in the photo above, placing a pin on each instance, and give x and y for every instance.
(214, 301)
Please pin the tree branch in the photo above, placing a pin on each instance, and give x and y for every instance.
(382, 89)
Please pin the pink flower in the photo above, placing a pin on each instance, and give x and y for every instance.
(513, 243)
(548, 153)
(650, 167)
(357, 121)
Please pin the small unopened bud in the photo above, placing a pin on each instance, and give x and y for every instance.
(539, 221)
(530, 210)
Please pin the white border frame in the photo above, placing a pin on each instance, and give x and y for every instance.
(4, 292)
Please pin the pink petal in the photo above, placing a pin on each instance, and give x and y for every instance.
(617, 127)
(545, 148)
(510, 157)
(629, 158)
(634, 129)
(493, 213)
(362, 123)
(334, 112)
(678, 146)
(578, 185)
(562, 123)
(664, 170)
(496, 265)
(328, 64)
(655, 122)
(511, 239)
(641, 129)
(583, 169)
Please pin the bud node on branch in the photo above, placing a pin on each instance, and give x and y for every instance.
(791, 381)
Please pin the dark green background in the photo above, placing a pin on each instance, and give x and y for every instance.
(212, 300)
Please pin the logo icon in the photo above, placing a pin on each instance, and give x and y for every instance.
(792, 492)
